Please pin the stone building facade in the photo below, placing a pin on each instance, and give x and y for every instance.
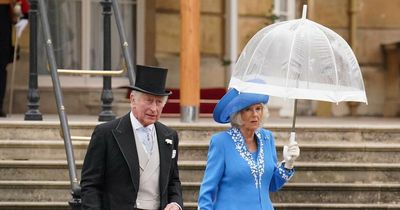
(376, 23)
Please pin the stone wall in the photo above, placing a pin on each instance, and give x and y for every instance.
(252, 17)
(377, 23)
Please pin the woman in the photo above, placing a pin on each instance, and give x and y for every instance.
(242, 166)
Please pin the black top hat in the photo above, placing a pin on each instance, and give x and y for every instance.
(151, 80)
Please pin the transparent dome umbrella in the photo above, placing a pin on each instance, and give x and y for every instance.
(299, 59)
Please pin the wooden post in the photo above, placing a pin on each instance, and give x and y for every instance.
(190, 60)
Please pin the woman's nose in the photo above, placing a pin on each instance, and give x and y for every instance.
(256, 112)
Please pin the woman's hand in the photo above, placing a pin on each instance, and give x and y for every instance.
(291, 152)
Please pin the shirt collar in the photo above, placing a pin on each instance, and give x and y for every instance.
(136, 124)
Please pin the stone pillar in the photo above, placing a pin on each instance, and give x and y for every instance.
(391, 53)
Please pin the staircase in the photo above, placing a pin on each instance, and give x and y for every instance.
(343, 164)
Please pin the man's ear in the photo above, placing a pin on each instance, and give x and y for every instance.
(132, 98)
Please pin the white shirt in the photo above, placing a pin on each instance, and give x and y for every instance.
(144, 137)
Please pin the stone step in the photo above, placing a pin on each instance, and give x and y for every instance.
(193, 171)
(323, 152)
(388, 193)
(40, 149)
(42, 130)
(316, 172)
(335, 206)
(11, 190)
(18, 205)
(345, 132)
(50, 191)
(193, 206)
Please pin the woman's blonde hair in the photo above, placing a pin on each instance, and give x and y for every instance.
(236, 119)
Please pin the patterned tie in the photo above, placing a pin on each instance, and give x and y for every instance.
(147, 140)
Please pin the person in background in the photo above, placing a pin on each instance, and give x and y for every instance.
(131, 162)
(11, 12)
(242, 165)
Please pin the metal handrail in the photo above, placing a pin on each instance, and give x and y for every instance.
(91, 72)
(81, 138)
(124, 43)
(75, 187)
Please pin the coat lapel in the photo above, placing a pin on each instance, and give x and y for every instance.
(125, 138)
(165, 151)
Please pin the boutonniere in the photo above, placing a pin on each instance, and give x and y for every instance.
(168, 141)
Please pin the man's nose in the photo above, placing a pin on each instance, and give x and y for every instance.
(153, 105)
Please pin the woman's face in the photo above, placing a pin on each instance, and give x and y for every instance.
(252, 116)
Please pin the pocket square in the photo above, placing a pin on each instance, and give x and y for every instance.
(173, 153)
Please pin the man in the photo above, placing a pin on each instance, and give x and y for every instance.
(131, 162)
(10, 12)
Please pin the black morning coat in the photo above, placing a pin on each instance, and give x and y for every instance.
(110, 172)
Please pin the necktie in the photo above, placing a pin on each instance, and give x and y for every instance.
(147, 140)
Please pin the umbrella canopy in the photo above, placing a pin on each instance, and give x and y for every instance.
(299, 59)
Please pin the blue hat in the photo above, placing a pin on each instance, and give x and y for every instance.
(234, 101)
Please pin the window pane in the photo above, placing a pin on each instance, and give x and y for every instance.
(128, 9)
(284, 6)
(65, 29)
(65, 20)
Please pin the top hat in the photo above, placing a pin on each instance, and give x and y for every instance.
(233, 101)
(151, 80)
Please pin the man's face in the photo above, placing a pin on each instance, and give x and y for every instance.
(147, 108)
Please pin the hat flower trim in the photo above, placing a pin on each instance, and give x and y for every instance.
(257, 168)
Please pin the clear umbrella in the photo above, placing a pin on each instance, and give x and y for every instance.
(299, 59)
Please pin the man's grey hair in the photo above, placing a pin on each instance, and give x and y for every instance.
(236, 119)
(137, 94)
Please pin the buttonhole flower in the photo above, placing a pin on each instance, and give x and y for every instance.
(168, 141)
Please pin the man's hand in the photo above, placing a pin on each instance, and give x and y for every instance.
(20, 26)
(291, 152)
(172, 206)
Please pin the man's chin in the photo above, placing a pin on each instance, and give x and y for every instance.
(150, 120)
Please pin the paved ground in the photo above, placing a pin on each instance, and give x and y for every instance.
(356, 122)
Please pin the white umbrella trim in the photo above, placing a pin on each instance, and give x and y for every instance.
(319, 91)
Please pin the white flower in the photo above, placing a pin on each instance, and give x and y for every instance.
(168, 141)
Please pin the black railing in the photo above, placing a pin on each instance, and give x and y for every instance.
(106, 113)
(75, 202)
(33, 97)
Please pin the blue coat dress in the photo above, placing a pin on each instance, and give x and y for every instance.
(236, 179)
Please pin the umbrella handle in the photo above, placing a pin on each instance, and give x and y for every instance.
(292, 138)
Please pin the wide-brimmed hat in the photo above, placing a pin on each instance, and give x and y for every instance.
(151, 80)
(234, 101)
